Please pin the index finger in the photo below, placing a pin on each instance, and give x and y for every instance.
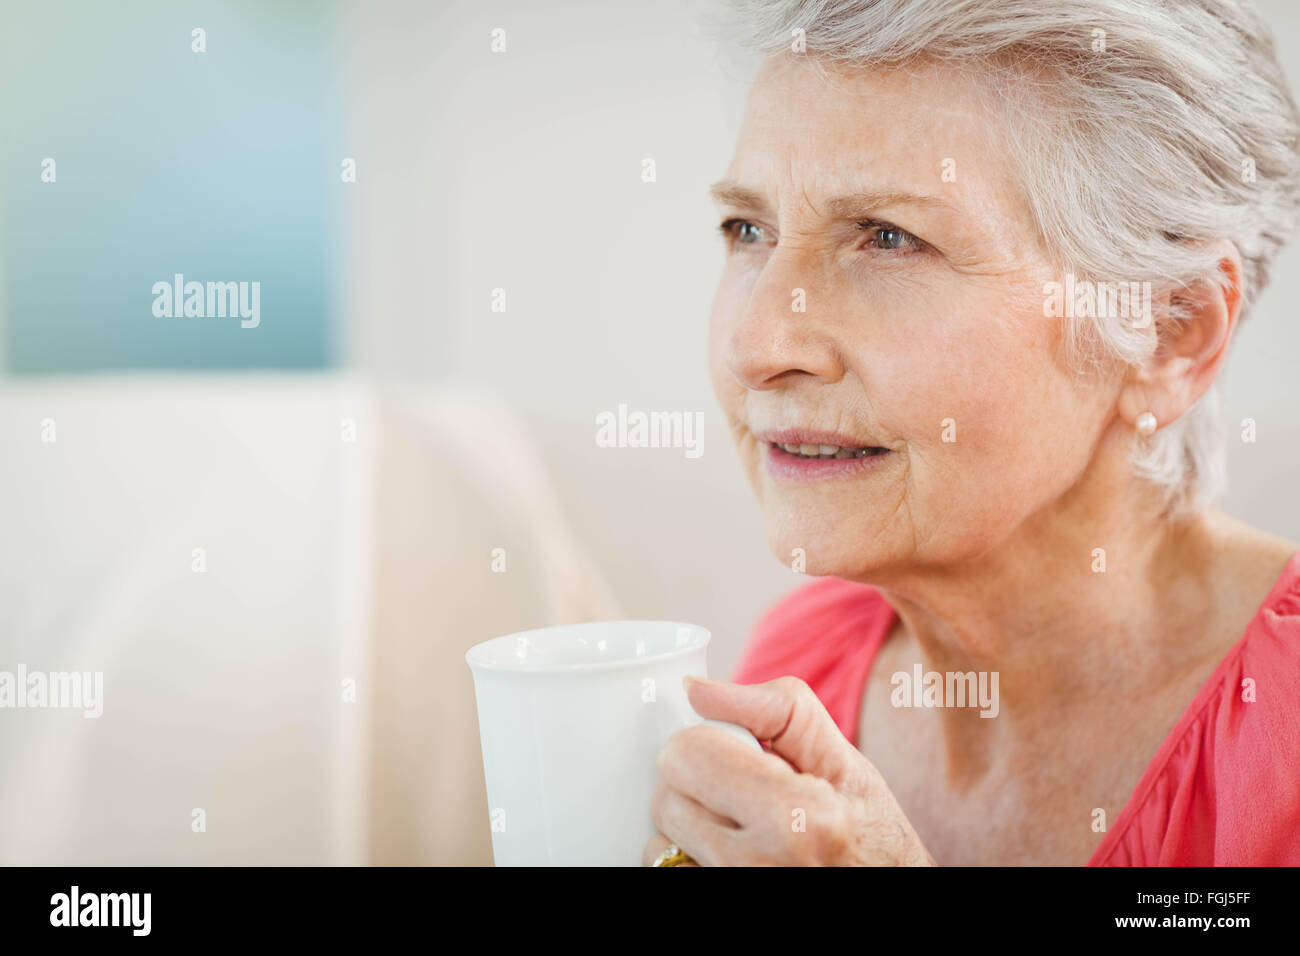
(723, 773)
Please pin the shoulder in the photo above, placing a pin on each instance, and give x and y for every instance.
(1254, 728)
(1272, 643)
(811, 628)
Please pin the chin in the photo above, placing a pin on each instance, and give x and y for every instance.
(825, 550)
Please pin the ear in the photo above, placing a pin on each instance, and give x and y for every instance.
(1189, 353)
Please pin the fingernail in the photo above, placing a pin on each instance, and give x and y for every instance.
(688, 680)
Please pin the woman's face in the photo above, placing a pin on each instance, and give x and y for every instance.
(883, 205)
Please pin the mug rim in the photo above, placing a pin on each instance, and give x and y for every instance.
(474, 657)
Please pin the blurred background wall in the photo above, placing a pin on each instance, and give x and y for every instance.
(221, 165)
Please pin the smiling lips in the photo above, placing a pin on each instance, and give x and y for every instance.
(827, 451)
(815, 444)
(805, 455)
(798, 455)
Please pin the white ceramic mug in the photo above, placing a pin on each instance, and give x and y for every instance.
(572, 720)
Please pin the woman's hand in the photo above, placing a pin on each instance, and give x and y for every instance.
(811, 799)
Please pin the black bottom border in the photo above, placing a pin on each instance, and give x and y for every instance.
(963, 905)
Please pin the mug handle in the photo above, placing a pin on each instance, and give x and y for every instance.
(736, 731)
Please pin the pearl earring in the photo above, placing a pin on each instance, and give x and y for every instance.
(1146, 424)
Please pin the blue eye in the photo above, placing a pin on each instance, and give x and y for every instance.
(888, 237)
(741, 231)
(884, 236)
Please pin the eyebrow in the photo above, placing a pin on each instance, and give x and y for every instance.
(855, 206)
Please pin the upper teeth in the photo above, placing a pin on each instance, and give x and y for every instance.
(826, 451)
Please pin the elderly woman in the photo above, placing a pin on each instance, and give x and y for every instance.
(984, 264)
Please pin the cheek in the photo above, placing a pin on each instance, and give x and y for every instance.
(723, 383)
(994, 427)
(728, 303)
(728, 391)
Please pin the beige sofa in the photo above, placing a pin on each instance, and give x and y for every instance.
(230, 552)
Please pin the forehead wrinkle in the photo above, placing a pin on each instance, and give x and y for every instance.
(855, 205)
(803, 191)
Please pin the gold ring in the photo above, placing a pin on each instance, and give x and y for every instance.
(673, 856)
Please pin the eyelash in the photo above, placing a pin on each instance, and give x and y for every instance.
(729, 226)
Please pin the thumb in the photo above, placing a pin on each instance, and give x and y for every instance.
(785, 712)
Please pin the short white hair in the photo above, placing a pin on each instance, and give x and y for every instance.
(1137, 127)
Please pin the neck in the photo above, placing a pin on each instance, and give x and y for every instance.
(1099, 599)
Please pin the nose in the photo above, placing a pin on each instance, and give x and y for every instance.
(770, 341)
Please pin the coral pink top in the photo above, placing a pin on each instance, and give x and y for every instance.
(1222, 790)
